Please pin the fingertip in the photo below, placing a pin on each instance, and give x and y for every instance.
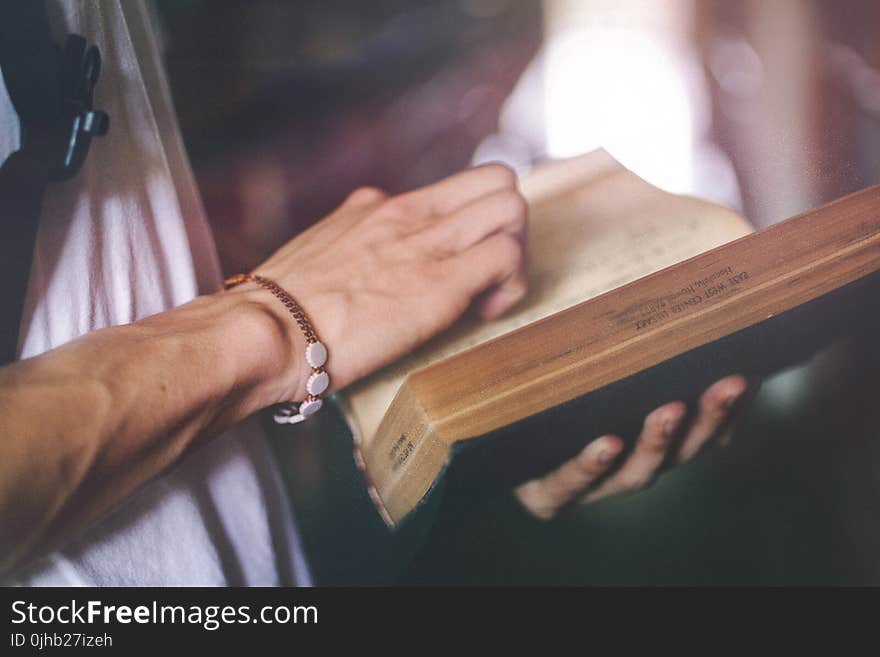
(500, 300)
(612, 441)
(610, 447)
(723, 394)
(675, 409)
(662, 423)
(493, 305)
(673, 415)
(600, 452)
(736, 384)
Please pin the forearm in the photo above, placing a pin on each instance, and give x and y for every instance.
(84, 425)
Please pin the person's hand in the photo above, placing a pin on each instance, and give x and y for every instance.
(381, 275)
(596, 472)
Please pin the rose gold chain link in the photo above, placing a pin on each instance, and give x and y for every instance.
(292, 306)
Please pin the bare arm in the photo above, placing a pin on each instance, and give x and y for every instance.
(84, 425)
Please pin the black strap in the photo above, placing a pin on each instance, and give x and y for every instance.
(21, 194)
(51, 92)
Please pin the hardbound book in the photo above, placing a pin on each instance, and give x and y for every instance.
(637, 297)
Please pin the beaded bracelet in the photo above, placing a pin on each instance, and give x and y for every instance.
(316, 352)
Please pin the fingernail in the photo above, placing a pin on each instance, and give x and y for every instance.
(670, 426)
(607, 454)
(731, 400)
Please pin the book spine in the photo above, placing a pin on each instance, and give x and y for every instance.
(402, 460)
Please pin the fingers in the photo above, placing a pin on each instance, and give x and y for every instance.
(467, 234)
(419, 209)
(503, 210)
(648, 455)
(454, 192)
(495, 266)
(587, 477)
(475, 219)
(714, 410)
(544, 497)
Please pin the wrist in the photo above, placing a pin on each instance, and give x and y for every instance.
(274, 347)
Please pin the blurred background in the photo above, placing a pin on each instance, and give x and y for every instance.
(771, 107)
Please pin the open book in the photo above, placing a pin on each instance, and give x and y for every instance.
(508, 399)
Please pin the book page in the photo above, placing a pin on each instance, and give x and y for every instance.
(593, 226)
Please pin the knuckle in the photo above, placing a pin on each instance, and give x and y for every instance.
(501, 173)
(511, 250)
(428, 244)
(366, 196)
(513, 206)
(396, 208)
(592, 465)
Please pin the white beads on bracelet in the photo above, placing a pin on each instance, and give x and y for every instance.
(310, 406)
(317, 383)
(289, 414)
(316, 354)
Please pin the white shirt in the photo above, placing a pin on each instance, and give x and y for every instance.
(125, 239)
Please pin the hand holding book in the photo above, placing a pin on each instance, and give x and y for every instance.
(665, 438)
